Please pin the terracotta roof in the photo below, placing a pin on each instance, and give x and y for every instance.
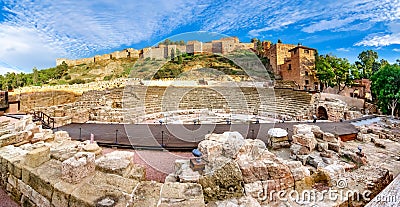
(301, 46)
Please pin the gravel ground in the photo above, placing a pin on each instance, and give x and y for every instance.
(5, 200)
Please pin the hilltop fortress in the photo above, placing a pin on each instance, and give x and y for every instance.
(294, 63)
(162, 51)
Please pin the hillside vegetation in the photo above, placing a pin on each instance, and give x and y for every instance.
(183, 66)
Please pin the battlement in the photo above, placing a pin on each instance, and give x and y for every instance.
(162, 51)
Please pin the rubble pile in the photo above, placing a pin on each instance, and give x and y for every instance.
(240, 170)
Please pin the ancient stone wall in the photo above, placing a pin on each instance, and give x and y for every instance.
(55, 171)
(29, 101)
(223, 46)
(107, 105)
(351, 102)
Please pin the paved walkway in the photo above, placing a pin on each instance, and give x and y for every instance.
(5, 200)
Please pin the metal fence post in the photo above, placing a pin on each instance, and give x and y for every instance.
(116, 136)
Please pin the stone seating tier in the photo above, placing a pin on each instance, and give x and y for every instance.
(111, 105)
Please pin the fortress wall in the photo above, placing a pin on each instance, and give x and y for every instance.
(102, 57)
(245, 46)
(208, 47)
(119, 54)
(224, 46)
(182, 48)
(132, 53)
(217, 47)
(84, 61)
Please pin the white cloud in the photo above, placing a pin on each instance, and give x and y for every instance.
(4, 70)
(7, 68)
(37, 32)
(383, 39)
(380, 40)
(24, 48)
(396, 49)
(83, 27)
(343, 49)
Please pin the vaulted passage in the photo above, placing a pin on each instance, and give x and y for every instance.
(322, 113)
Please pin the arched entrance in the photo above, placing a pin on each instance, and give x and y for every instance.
(322, 114)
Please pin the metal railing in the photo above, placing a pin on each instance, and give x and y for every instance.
(46, 120)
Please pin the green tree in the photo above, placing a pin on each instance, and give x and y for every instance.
(333, 71)
(2, 84)
(172, 54)
(180, 59)
(386, 87)
(383, 62)
(368, 63)
(60, 70)
(35, 77)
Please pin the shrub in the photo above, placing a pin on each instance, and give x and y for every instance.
(77, 81)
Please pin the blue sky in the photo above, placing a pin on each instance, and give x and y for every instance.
(35, 33)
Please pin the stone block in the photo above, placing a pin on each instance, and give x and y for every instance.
(113, 182)
(117, 162)
(223, 183)
(61, 194)
(77, 167)
(92, 147)
(318, 133)
(304, 129)
(379, 143)
(38, 137)
(8, 139)
(146, 194)
(43, 178)
(103, 190)
(322, 147)
(61, 136)
(297, 149)
(181, 194)
(329, 137)
(306, 140)
(247, 201)
(137, 172)
(334, 147)
(37, 157)
(304, 184)
(255, 189)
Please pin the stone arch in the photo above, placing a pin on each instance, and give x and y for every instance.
(322, 113)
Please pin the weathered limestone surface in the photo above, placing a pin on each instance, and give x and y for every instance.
(120, 163)
(59, 172)
(181, 194)
(225, 182)
(146, 194)
(37, 156)
(253, 170)
(77, 167)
